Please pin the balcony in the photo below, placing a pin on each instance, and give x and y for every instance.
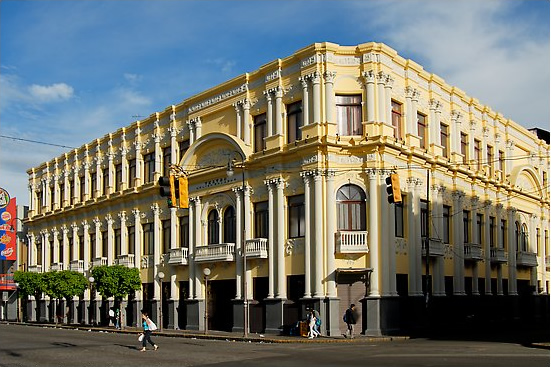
(35, 268)
(526, 258)
(257, 248)
(126, 260)
(498, 255)
(218, 252)
(178, 256)
(472, 251)
(77, 265)
(351, 242)
(436, 248)
(56, 267)
(99, 261)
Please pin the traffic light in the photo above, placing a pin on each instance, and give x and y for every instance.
(393, 188)
(183, 192)
(168, 189)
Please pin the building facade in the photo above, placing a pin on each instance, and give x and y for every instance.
(305, 220)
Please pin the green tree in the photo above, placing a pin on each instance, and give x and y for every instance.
(116, 280)
(64, 284)
(30, 284)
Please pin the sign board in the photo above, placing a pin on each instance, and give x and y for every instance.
(8, 235)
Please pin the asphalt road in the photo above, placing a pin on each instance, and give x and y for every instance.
(47, 346)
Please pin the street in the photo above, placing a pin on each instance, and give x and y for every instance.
(47, 346)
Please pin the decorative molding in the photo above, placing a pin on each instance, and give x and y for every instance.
(218, 98)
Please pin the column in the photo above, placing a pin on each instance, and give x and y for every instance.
(45, 250)
(318, 235)
(307, 238)
(473, 241)
(158, 157)
(388, 99)
(87, 190)
(239, 216)
(329, 96)
(305, 102)
(316, 97)
(65, 242)
(156, 249)
(278, 111)
(434, 123)
(111, 174)
(139, 162)
(110, 251)
(191, 250)
(381, 80)
(271, 239)
(239, 133)
(124, 165)
(138, 235)
(500, 244)
(486, 247)
(96, 253)
(55, 234)
(76, 244)
(247, 219)
(55, 199)
(369, 79)
(124, 230)
(331, 223)
(374, 233)
(198, 128)
(386, 224)
(247, 122)
(191, 128)
(67, 191)
(269, 113)
(86, 236)
(196, 274)
(458, 244)
(99, 173)
(511, 246)
(281, 289)
(436, 231)
(414, 238)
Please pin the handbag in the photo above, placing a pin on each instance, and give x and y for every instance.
(140, 338)
(151, 325)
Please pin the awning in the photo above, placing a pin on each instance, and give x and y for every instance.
(364, 274)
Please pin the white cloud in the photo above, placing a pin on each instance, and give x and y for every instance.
(51, 93)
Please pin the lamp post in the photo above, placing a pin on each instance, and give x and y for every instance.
(230, 173)
(18, 303)
(206, 272)
(161, 275)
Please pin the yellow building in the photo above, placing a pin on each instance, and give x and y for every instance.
(311, 139)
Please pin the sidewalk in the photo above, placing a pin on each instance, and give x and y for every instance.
(222, 335)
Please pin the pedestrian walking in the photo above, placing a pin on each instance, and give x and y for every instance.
(117, 318)
(311, 318)
(148, 327)
(350, 317)
(317, 327)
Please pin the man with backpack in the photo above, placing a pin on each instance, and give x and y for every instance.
(350, 317)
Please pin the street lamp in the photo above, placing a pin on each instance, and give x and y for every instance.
(18, 303)
(206, 271)
(161, 275)
(230, 173)
(92, 306)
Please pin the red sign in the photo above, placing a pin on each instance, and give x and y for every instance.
(8, 236)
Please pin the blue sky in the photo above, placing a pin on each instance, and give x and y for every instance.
(72, 71)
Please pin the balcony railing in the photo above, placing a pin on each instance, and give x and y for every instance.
(526, 258)
(472, 251)
(218, 252)
(77, 265)
(350, 242)
(56, 267)
(257, 248)
(126, 260)
(99, 261)
(436, 247)
(498, 255)
(178, 256)
(35, 268)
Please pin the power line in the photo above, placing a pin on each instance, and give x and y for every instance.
(36, 142)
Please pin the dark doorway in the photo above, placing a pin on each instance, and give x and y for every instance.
(220, 306)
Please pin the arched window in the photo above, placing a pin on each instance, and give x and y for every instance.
(517, 236)
(351, 208)
(524, 238)
(229, 225)
(213, 231)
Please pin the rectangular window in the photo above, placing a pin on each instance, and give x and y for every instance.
(92, 245)
(538, 242)
(61, 195)
(132, 172)
(131, 239)
(118, 244)
(444, 139)
(165, 244)
(261, 217)
(294, 122)
(424, 218)
(422, 129)
(466, 238)
(446, 213)
(82, 183)
(71, 244)
(399, 219)
(296, 223)
(502, 162)
(148, 239)
(39, 252)
(52, 198)
(184, 231)
(105, 178)
(259, 132)
(492, 231)
(93, 184)
(478, 154)
(148, 167)
(397, 119)
(479, 229)
(71, 192)
(464, 147)
(118, 177)
(490, 159)
(104, 244)
(503, 228)
(81, 247)
(167, 159)
(349, 115)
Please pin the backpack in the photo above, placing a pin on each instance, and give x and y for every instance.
(344, 317)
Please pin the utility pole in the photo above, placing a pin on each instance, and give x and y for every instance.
(427, 244)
